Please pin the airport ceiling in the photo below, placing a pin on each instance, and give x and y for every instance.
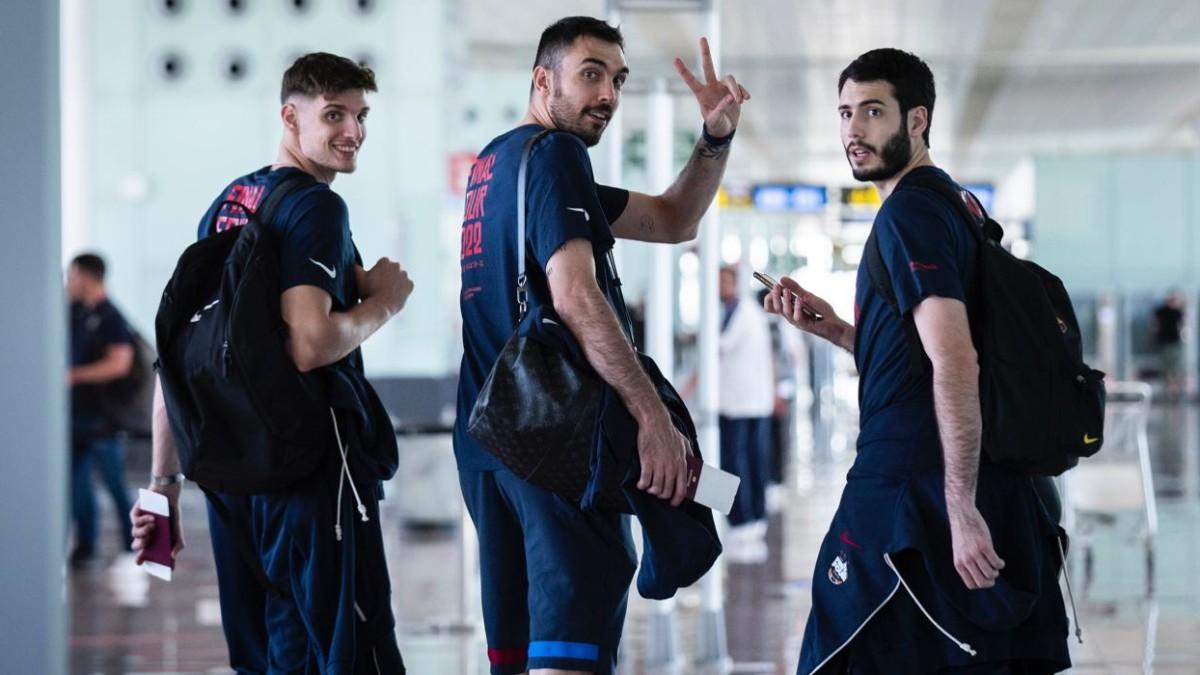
(1015, 78)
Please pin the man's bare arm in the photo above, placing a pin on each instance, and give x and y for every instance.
(946, 335)
(164, 461)
(115, 364)
(581, 304)
(674, 216)
(319, 336)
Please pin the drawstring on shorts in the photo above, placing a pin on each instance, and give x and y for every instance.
(344, 477)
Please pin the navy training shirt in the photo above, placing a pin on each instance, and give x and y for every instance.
(313, 229)
(927, 251)
(563, 202)
(93, 331)
(315, 249)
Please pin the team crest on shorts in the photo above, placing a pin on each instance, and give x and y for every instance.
(839, 570)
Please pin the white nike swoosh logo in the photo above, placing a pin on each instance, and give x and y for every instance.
(586, 217)
(327, 270)
(196, 316)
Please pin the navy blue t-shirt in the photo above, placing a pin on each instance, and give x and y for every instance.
(315, 249)
(927, 251)
(563, 202)
(313, 226)
(93, 331)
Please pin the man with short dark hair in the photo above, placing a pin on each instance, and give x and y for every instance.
(334, 612)
(938, 560)
(102, 352)
(555, 577)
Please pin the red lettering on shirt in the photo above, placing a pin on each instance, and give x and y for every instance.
(922, 267)
(475, 208)
(230, 216)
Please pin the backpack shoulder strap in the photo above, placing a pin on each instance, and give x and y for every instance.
(285, 187)
(980, 224)
(881, 281)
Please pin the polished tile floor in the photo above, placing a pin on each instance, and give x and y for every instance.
(123, 621)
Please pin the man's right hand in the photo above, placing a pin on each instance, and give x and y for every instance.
(143, 522)
(789, 300)
(386, 282)
(663, 452)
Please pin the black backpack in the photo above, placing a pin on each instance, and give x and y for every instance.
(1042, 406)
(244, 419)
(129, 401)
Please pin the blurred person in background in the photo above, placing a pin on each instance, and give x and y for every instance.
(1168, 341)
(102, 352)
(747, 402)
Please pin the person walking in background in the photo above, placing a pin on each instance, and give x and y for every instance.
(102, 352)
(1168, 342)
(747, 402)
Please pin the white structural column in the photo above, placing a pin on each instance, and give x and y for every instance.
(660, 296)
(711, 651)
(663, 652)
(32, 396)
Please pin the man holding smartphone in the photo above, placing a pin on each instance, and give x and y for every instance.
(556, 578)
(937, 560)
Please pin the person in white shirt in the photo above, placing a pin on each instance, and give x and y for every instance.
(746, 403)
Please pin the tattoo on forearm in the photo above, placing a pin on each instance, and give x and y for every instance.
(647, 224)
(706, 151)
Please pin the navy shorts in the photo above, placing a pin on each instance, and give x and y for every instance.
(555, 579)
(335, 616)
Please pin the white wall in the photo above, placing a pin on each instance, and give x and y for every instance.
(1124, 222)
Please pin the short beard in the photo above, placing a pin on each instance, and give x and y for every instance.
(566, 119)
(896, 154)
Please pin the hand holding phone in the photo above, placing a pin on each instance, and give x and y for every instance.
(770, 283)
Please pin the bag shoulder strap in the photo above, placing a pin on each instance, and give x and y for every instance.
(981, 226)
(522, 279)
(522, 171)
(265, 213)
(882, 283)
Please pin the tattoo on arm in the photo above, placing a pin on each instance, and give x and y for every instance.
(706, 151)
(647, 224)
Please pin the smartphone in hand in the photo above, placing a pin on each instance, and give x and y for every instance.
(767, 281)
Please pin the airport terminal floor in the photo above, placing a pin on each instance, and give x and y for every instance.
(1134, 620)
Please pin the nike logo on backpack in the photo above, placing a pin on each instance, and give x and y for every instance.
(327, 270)
(1090, 440)
(196, 316)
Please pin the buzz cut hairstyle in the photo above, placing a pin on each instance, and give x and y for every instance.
(90, 264)
(322, 73)
(559, 36)
(910, 77)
